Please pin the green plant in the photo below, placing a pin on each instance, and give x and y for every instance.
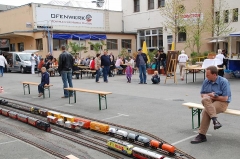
(151, 55)
(97, 46)
(124, 53)
(75, 48)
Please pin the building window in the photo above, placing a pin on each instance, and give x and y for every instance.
(217, 17)
(182, 36)
(150, 4)
(127, 43)
(153, 38)
(20, 46)
(112, 44)
(161, 3)
(136, 6)
(12, 47)
(235, 15)
(58, 43)
(39, 44)
(226, 15)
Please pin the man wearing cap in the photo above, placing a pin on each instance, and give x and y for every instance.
(182, 59)
(141, 61)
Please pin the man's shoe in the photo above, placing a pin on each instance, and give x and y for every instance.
(217, 125)
(198, 139)
(64, 97)
(140, 83)
(40, 94)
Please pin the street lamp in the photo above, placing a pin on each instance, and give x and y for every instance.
(99, 3)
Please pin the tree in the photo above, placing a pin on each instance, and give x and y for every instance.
(124, 53)
(221, 21)
(77, 48)
(196, 24)
(97, 46)
(172, 12)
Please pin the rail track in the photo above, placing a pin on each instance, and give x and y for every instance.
(181, 154)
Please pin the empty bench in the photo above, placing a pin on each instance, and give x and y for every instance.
(27, 84)
(197, 109)
(101, 95)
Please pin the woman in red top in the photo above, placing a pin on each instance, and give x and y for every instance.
(40, 64)
(92, 65)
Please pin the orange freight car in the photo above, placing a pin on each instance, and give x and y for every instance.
(166, 147)
(86, 123)
(100, 127)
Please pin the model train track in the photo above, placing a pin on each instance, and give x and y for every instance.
(34, 144)
(180, 153)
(54, 128)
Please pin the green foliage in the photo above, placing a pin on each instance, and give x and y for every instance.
(97, 46)
(151, 55)
(76, 48)
(124, 53)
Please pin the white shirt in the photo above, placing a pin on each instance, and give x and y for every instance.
(3, 61)
(132, 63)
(220, 57)
(33, 61)
(182, 57)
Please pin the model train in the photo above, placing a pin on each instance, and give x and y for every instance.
(75, 123)
(129, 150)
(23, 118)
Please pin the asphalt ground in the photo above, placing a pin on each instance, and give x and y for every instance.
(156, 109)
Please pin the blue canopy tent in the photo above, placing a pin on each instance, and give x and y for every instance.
(80, 36)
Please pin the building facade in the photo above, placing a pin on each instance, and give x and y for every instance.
(46, 27)
(144, 18)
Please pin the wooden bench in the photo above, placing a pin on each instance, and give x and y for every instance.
(101, 95)
(197, 109)
(27, 84)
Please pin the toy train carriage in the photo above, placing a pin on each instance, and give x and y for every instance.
(115, 131)
(66, 117)
(43, 125)
(53, 113)
(143, 140)
(17, 106)
(43, 112)
(35, 110)
(145, 154)
(131, 137)
(86, 123)
(12, 115)
(3, 102)
(100, 127)
(120, 146)
(75, 126)
(0, 110)
(22, 118)
(52, 119)
(156, 144)
(5, 112)
(32, 121)
(25, 108)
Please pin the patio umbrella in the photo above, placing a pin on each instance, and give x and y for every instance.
(173, 46)
(144, 49)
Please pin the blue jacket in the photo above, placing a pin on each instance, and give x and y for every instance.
(105, 60)
(45, 78)
(144, 58)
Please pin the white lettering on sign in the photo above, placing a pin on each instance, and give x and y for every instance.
(63, 17)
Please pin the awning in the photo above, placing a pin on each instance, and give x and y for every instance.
(215, 40)
(235, 33)
(80, 36)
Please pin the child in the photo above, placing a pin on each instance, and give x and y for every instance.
(44, 80)
(155, 78)
(128, 72)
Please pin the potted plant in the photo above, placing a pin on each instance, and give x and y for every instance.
(151, 55)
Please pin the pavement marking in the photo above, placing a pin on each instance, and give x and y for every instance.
(175, 143)
(3, 143)
(119, 115)
(69, 105)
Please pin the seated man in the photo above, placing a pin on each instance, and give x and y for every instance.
(118, 64)
(44, 81)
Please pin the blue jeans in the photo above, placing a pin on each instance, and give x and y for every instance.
(40, 88)
(105, 73)
(67, 80)
(142, 73)
(97, 75)
(1, 70)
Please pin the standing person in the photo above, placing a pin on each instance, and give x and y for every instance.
(163, 58)
(97, 67)
(105, 64)
(141, 61)
(128, 72)
(216, 95)
(112, 65)
(221, 57)
(37, 58)
(3, 62)
(44, 80)
(182, 59)
(132, 63)
(33, 63)
(65, 66)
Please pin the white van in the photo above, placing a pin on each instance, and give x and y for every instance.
(19, 61)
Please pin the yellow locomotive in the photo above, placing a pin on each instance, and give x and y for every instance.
(120, 146)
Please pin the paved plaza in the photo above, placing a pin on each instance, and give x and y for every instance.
(156, 109)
